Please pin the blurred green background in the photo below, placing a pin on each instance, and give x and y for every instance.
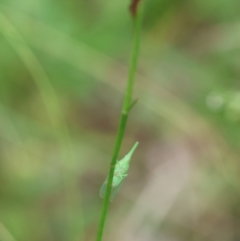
(63, 71)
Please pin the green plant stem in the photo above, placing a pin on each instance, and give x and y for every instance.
(127, 104)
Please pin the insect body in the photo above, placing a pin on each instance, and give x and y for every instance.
(120, 173)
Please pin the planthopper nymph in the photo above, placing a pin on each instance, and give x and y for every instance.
(120, 173)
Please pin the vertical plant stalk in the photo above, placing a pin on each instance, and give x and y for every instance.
(127, 105)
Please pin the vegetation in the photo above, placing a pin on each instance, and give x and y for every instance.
(63, 75)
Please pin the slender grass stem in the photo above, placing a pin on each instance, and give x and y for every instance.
(127, 104)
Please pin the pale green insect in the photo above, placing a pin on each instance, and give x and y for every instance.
(120, 173)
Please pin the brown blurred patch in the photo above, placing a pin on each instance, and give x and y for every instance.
(133, 7)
